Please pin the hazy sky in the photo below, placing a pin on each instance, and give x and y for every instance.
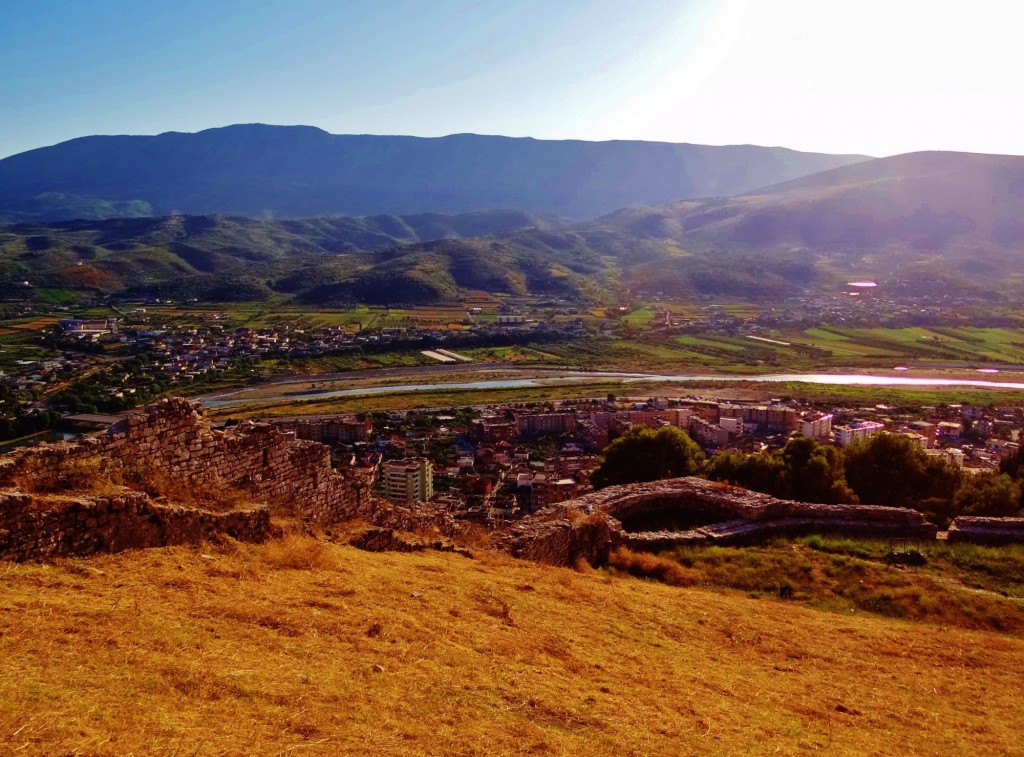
(869, 76)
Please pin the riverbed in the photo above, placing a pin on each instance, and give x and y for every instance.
(585, 377)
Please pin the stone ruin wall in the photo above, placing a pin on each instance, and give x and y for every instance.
(81, 526)
(174, 439)
(279, 473)
(981, 530)
(590, 527)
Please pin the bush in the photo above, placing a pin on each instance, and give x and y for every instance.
(645, 565)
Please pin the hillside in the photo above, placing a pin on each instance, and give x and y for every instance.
(300, 645)
(918, 223)
(921, 217)
(297, 171)
(220, 257)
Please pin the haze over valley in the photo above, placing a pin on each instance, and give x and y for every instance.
(917, 219)
(567, 378)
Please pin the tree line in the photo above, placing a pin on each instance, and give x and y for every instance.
(886, 469)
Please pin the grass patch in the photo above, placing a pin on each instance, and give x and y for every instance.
(957, 585)
(55, 296)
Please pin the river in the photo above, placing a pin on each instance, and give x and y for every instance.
(843, 379)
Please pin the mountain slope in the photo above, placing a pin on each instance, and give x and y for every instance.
(219, 257)
(294, 171)
(955, 214)
(924, 223)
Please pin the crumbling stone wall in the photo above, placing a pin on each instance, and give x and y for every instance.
(562, 533)
(979, 530)
(173, 438)
(42, 527)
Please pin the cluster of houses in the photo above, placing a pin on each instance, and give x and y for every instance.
(513, 459)
(194, 351)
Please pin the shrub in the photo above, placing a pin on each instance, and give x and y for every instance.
(645, 565)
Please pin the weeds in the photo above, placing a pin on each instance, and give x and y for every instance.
(646, 565)
(952, 585)
(181, 490)
(295, 552)
(497, 656)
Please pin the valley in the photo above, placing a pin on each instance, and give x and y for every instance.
(511, 378)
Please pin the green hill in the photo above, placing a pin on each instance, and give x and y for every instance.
(919, 224)
(921, 219)
(221, 257)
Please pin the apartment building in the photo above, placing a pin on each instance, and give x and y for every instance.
(409, 480)
(545, 423)
(817, 426)
(854, 432)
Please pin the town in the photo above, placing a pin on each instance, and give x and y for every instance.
(494, 463)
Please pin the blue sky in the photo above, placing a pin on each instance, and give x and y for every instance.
(831, 75)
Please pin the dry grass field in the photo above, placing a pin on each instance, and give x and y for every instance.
(301, 646)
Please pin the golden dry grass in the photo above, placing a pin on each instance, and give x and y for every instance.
(305, 647)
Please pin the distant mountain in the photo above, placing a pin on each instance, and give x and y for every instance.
(299, 171)
(929, 215)
(924, 223)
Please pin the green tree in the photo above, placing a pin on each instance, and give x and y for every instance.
(759, 472)
(815, 473)
(1013, 466)
(993, 494)
(888, 469)
(803, 470)
(642, 454)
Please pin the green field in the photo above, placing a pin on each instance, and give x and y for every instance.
(918, 345)
(641, 318)
(56, 296)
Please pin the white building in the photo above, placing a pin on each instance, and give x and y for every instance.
(707, 433)
(952, 454)
(732, 425)
(856, 432)
(409, 480)
(816, 426)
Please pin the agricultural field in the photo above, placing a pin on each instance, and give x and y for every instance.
(939, 346)
(879, 349)
(512, 354)
(351, 362)
(56, 296)
(641, 318)
(18, 341)
(814, 349)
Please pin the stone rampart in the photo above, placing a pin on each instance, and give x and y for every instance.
(174, 440)
(42, 527)
(561, 533)
(994, 531)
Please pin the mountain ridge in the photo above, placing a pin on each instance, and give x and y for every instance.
(926, 222)
(301, 171)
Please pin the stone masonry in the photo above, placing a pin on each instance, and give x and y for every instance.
(174, 439)
(994, 531)
(591, 526)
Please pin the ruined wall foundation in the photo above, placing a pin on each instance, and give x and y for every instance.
(993, 531)
(591, 526)
(42, 516)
